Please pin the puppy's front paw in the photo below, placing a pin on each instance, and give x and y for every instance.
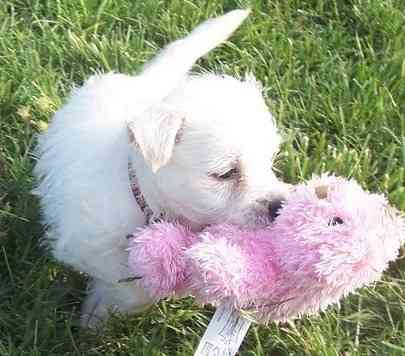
(95, 310)
(106, 298)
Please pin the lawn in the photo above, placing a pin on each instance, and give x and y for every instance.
(334, 77)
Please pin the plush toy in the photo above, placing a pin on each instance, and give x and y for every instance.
(329, 238)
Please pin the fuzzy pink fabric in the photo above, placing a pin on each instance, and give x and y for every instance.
(157, 255)
(330, 238)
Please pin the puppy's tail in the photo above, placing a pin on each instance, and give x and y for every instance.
(170, 66)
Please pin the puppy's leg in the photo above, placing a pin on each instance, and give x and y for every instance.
(105, 298)
(105, 258)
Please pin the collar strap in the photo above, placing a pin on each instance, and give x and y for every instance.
(139, 197)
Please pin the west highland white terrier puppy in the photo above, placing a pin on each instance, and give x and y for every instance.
(201, 147)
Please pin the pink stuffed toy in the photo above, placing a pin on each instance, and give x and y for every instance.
(330, 238)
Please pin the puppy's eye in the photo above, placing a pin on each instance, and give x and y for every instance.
(231, 174)
(335, 221)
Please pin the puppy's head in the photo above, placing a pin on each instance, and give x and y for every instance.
(206, 153)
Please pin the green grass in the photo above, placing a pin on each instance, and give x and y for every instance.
(334, 76)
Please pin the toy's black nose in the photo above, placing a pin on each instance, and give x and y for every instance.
(274, 208)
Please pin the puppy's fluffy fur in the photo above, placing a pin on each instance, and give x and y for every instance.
(201, 145)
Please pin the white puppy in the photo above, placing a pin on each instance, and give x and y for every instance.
(201, 147)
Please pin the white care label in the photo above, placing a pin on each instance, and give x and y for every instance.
(224, 333)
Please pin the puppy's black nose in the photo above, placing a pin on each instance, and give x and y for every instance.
(274, 208)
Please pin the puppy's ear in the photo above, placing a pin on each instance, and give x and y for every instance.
(155, 133)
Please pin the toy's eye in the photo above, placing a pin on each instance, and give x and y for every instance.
(335, 221)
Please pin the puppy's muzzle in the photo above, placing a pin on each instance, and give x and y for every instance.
(274, 208)
(271, 207)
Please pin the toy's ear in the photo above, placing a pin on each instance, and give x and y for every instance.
(321, 191)
(155, 133)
